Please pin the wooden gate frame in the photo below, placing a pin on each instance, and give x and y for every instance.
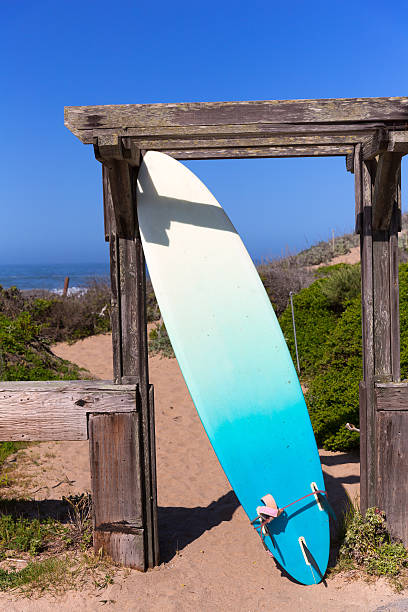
(373, 135)
(118, 417)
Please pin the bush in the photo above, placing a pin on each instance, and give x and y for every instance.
(343, 284)
(368, 544)
(25, 356)
(332, 397)
(315, 320)
(328, 325)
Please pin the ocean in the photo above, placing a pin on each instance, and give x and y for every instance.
(51, 276)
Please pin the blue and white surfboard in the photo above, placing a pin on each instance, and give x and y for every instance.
(234, 360)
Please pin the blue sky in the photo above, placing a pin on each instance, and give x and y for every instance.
(59, 53)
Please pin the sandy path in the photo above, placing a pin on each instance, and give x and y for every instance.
(212, 559)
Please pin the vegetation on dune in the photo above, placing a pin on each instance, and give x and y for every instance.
(24, 355)
(368, 547)
(44, 554)
(324, 251)
(328, 325)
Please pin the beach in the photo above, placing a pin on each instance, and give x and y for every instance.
(212, 558)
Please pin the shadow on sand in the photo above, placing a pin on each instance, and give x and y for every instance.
(180, 526)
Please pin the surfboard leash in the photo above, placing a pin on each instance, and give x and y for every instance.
(270, 510)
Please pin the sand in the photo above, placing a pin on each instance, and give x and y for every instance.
(212, 559)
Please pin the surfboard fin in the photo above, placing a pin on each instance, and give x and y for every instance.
(309, 559)
(322, 501)
(315, 489)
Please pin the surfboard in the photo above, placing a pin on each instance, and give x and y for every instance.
(235, 362)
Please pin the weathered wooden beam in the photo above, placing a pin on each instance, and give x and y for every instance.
(261, 152)
(367, 411)
(375, 144)
(348, 133)
(129, 341)
(398, 142)
(392, 460)
(382, 306)
(395, 227)
(240, 141)
(392, 470)
(115, 457)
(385, 189)
(392, 396)
(345, 110)
(58, 410)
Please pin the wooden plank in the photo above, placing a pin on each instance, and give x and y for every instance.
(155, 560)
(385, 189)
(366, 248)
(218, 113)
(114, 441)
(128, 308)
(368, 436)
(392, 468)
(358, 188)
(63, 386)
(394, 284)
(260, 152)
(254, 141)
(116, 320)
(392, 396)
(363, 447)
(382, 319)
(58, 410)
(353, 132)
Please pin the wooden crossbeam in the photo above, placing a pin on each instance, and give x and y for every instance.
(342, 110)
(261, 152)
(58, 410)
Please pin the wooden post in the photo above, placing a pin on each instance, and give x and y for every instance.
(129, 339)
(116, 487)
(378, 208)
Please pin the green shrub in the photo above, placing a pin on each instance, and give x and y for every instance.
(328, 325)
(25, 356)
(315, 320)
(332, 397)
(343, 283)
(368, 544)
